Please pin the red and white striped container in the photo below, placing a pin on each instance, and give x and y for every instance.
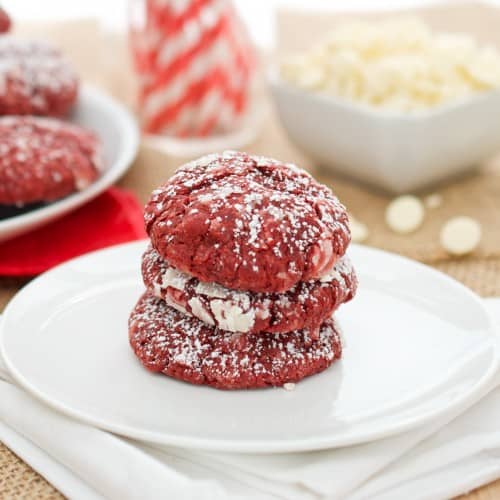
(195, 66)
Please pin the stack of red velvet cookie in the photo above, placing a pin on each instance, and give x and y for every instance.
(42, 157)
(245, 268)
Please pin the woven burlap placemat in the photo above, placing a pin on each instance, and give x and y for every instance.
(19, 481)
(102, 60)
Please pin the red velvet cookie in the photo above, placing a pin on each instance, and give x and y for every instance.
(35, 79)
(43, 159)
(247, 223)
(5, 22)
(183, 347)
(307, 305)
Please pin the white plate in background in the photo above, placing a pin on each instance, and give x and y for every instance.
(119, 135)
(417, 345)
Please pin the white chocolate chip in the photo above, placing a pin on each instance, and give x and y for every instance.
(289, 386)
(460, 235)
(404, 214)
(231, 317)
(359, 231)
(174, 278)
(400, 65)
(199, 311)
(211, 290)
(433, 200)
(311, 78)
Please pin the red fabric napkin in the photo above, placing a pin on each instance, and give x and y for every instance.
(114, 217)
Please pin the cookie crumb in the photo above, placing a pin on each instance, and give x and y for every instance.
(289, 386)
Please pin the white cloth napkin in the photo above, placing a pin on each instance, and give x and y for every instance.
(452, 455)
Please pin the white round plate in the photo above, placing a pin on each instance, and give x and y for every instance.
(417, 344)
(120, 139)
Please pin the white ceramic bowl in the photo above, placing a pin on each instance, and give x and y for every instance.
(390, 150)
(119, 135)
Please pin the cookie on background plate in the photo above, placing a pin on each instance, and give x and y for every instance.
(247, 223)
(167, 341)
(307, 305)
(5, 22)
(35, 79)
(44, 159)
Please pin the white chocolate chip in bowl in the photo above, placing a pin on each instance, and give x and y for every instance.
(460, 235)
(404, 214)
(311, 78)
